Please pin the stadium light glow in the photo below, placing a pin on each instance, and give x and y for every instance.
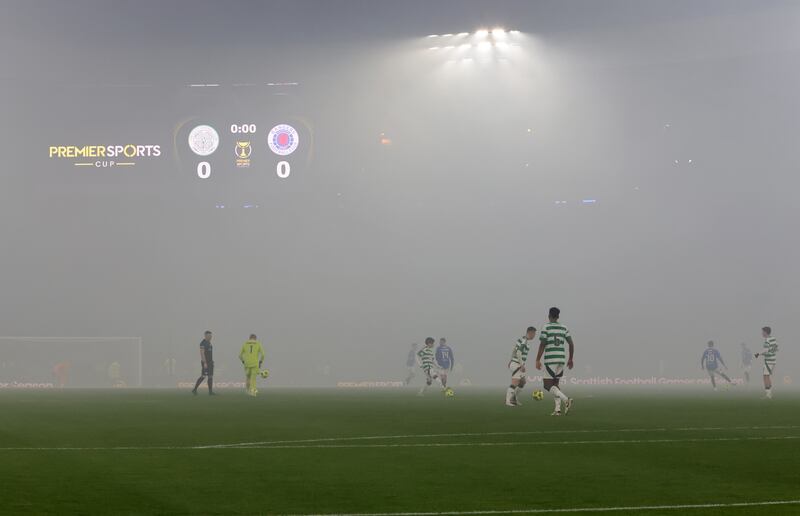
(486, 47)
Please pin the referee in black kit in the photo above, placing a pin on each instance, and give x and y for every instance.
(207, 364)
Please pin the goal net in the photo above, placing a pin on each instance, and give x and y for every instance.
(45, 362)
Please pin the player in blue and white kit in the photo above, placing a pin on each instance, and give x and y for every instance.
(445, 360)
(710, 361)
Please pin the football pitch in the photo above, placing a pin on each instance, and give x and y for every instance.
(308, 451)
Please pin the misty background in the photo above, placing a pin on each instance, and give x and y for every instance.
(632, 162)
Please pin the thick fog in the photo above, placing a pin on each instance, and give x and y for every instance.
(633, 163)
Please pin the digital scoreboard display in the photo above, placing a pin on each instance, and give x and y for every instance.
(244, 129)
(236, 139)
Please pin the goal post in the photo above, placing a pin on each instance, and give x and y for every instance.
(29, 361)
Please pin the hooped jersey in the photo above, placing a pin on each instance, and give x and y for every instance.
(521, 350)
(554, 336)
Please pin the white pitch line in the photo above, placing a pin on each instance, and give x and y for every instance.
(402, 445)
(487, 434)
(508, 443)
(632, 508)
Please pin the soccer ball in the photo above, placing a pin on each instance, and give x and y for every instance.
(264, 373)
(449, 392)
(538, 395)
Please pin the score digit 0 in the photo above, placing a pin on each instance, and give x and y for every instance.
(284, 169)
(204, 170)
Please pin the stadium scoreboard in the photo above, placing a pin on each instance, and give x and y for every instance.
(205, 133)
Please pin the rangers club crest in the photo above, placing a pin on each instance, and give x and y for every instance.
(283, 139)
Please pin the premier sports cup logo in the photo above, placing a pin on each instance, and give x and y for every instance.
(102, 156)
(283, 139)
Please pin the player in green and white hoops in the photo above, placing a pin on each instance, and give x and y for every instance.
(425, 360)
(517, 366)
(551, 345)
(770, 355)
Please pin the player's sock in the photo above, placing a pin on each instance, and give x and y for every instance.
(713, 382)
(769, 392)
(510, 394)
(557, 392)
(210, 385)
(558, 404)
(197, 384)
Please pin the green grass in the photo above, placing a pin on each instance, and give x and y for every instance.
(366, 476)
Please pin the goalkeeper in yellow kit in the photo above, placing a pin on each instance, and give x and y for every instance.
(252, 356)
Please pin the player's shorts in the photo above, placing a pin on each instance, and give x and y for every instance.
(768, 369)
(555, 371)
(516, 370)
(208, 369)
